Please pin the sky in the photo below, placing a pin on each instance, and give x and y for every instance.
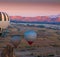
(30, 8)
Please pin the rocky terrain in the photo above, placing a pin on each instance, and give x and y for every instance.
(46, 44)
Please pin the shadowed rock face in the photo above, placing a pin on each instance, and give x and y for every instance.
(8, 52)
(0, 34)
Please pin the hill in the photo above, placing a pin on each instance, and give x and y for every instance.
(37, 19)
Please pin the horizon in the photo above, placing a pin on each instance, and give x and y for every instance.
(38, 15)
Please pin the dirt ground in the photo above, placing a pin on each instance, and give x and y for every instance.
(47, 42)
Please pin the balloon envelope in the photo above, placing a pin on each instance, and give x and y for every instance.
(30, 36)
(15, 40)
(4, 20)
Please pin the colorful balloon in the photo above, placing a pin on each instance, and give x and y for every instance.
(15, 40)
(30, 36)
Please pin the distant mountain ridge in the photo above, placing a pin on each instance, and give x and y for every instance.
(37, 19)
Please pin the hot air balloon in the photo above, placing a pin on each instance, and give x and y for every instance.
(4, 21)
(30, 36)
(15, 40)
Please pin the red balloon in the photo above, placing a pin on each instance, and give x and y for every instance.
(30, 42)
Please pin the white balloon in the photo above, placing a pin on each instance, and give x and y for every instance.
(4, 20)
(30, 35)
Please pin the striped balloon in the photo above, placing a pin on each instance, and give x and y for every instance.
(4, 20)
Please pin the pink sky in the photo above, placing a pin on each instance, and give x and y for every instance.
(30, 9)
